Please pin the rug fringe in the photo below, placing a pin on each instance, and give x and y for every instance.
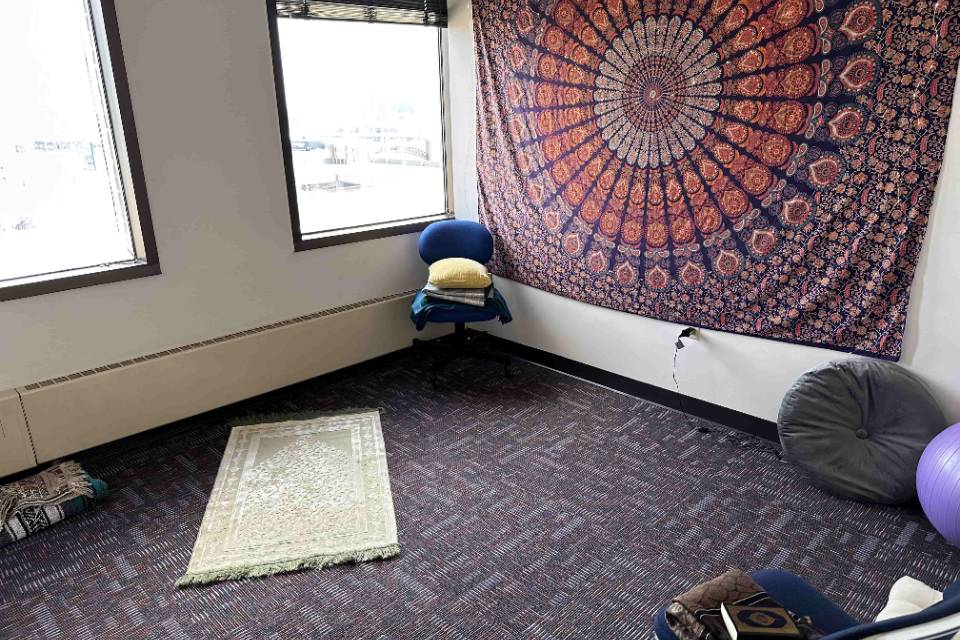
(75, 478)
(311, 562)
(8, 503)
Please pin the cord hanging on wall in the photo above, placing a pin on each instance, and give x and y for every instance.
(689, 332)
(743, 440)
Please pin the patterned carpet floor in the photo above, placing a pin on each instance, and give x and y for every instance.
(542, 507)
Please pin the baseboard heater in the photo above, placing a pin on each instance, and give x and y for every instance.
(54, 418)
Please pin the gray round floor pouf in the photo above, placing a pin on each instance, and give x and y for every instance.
(858, 427)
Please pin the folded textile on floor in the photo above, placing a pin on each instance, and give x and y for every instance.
(44, 499)
(425, 308)
(695, 615)
(473, 297)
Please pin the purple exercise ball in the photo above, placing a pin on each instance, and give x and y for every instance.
(938, 483)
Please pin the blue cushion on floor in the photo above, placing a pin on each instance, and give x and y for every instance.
(939, 622)
(953, 591)
(661, 628)
(794, 594)
(799, 596)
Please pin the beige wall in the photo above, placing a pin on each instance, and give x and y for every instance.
(204, 102)
(202, 93)
(747, 374)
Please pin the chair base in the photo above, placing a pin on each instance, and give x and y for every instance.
(462, 343)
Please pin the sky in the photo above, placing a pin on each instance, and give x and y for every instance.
(341, 73)
(338, 75)
(45, 69)
(74, 216)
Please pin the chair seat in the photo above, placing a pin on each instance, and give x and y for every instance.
(424, 309)
(465, 315)
(794, 594)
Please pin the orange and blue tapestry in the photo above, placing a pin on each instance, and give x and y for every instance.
(763, 167)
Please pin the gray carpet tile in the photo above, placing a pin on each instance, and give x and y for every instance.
(542, 507)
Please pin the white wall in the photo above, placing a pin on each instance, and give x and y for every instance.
(742, 373)
(205, 108)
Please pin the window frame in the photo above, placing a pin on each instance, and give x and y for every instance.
(350, 235)
(106, 36)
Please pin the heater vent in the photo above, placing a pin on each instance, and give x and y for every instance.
(85, 409)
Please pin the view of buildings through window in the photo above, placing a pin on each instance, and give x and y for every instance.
(366, 127)
(61, 201)
(366, 132)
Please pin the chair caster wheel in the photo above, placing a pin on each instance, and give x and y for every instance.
(509, 372)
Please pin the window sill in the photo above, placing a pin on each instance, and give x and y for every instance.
(369, 232)
(76, 279)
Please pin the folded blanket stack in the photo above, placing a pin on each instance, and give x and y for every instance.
(458, 285)
(459, 280)
(44, 499)
(424, 308)
(472, 297)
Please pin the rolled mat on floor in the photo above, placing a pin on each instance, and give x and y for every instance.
(39, 501)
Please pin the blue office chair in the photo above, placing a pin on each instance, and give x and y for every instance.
(458, 239)
(939, 622)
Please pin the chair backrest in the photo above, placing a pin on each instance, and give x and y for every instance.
(456, 239)
(939, 622)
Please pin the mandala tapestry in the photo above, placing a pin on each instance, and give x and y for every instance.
(764, 167)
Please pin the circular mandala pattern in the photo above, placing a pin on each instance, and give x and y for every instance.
(657, 82)
(663, 144)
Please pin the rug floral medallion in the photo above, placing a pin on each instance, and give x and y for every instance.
(764, 167)
(306, 492)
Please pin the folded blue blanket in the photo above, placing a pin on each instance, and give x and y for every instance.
(424, 307)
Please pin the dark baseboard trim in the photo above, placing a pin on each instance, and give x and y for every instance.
(728, 417)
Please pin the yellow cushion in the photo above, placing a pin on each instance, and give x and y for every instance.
(459, 273)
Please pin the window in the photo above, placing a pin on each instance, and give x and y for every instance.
(73, 209)
(361, 115)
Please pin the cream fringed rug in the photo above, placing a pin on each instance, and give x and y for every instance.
(308, 492)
